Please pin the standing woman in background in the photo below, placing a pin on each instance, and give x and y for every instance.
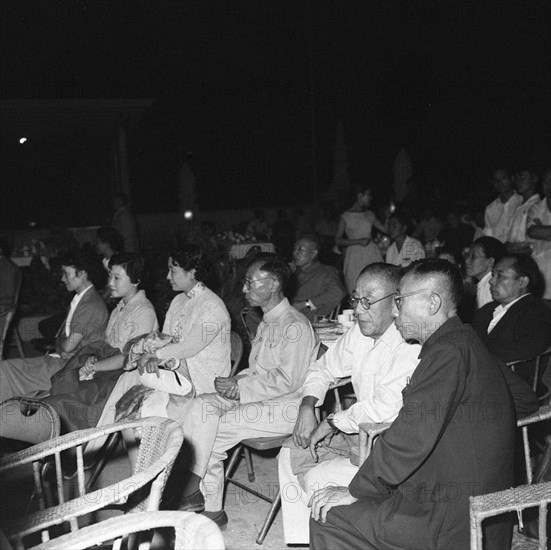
(354, 233)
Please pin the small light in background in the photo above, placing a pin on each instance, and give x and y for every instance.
(188, 215)
(22, 140)
(392, 207)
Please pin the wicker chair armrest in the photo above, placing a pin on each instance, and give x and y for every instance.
(525, 496)
(192, 531)
(67, 441)
(543, 413)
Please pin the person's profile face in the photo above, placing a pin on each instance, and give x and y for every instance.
(476, 262)
(525, 181)
(366, 198)
(119, 283)
(505, 284)
(180, 279)
(257, 286)
(501, 181)
(303, 252)
(71, 278)
(395, 228)
(411, 307)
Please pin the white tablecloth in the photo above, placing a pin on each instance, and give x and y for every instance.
(239, 251)
(22, 261)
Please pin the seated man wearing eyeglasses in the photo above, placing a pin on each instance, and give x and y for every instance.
(453, 436)
(317, 289)
(379, 362)
(261, 400)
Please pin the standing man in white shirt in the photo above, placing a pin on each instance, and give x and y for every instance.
(500, 212)
(539, 229)
(380, 362)
(404, 249)
(525, 184)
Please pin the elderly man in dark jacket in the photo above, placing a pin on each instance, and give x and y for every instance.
(317, 289)
(453, 437)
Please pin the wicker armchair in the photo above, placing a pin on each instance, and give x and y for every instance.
(511, 500)
(191, 531)
(160, 443)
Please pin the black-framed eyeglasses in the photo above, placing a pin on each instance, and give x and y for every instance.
(398, 298)
(364, 301)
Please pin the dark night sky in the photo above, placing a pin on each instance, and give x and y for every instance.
(458, 84)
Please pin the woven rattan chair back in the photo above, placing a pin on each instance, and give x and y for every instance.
(161, 440)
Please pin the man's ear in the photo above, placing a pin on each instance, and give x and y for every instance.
(435, 303)
(524, 282)
(80, 273)
(276, 285)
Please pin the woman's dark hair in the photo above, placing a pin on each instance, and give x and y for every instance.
(133, 265)
(110, 236)
(190, 256)
(492, 247)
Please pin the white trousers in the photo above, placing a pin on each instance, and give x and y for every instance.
(294, 497)
(213, 426)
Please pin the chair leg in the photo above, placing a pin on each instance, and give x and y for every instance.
(104, 455)
(269, 518)
(545, 461)
(249, 461)
(19, 342)
(236, 455)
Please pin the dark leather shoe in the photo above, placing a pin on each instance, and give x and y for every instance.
(192, 503)
(220, 518)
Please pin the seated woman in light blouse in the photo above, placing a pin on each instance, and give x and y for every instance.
(199, 324)
(80, 402)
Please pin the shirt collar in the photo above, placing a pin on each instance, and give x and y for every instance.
(276, 311)
(197, 289)
(81, 294)
(506, 307)
(138, 297)
(389, 337)
(511, 198)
